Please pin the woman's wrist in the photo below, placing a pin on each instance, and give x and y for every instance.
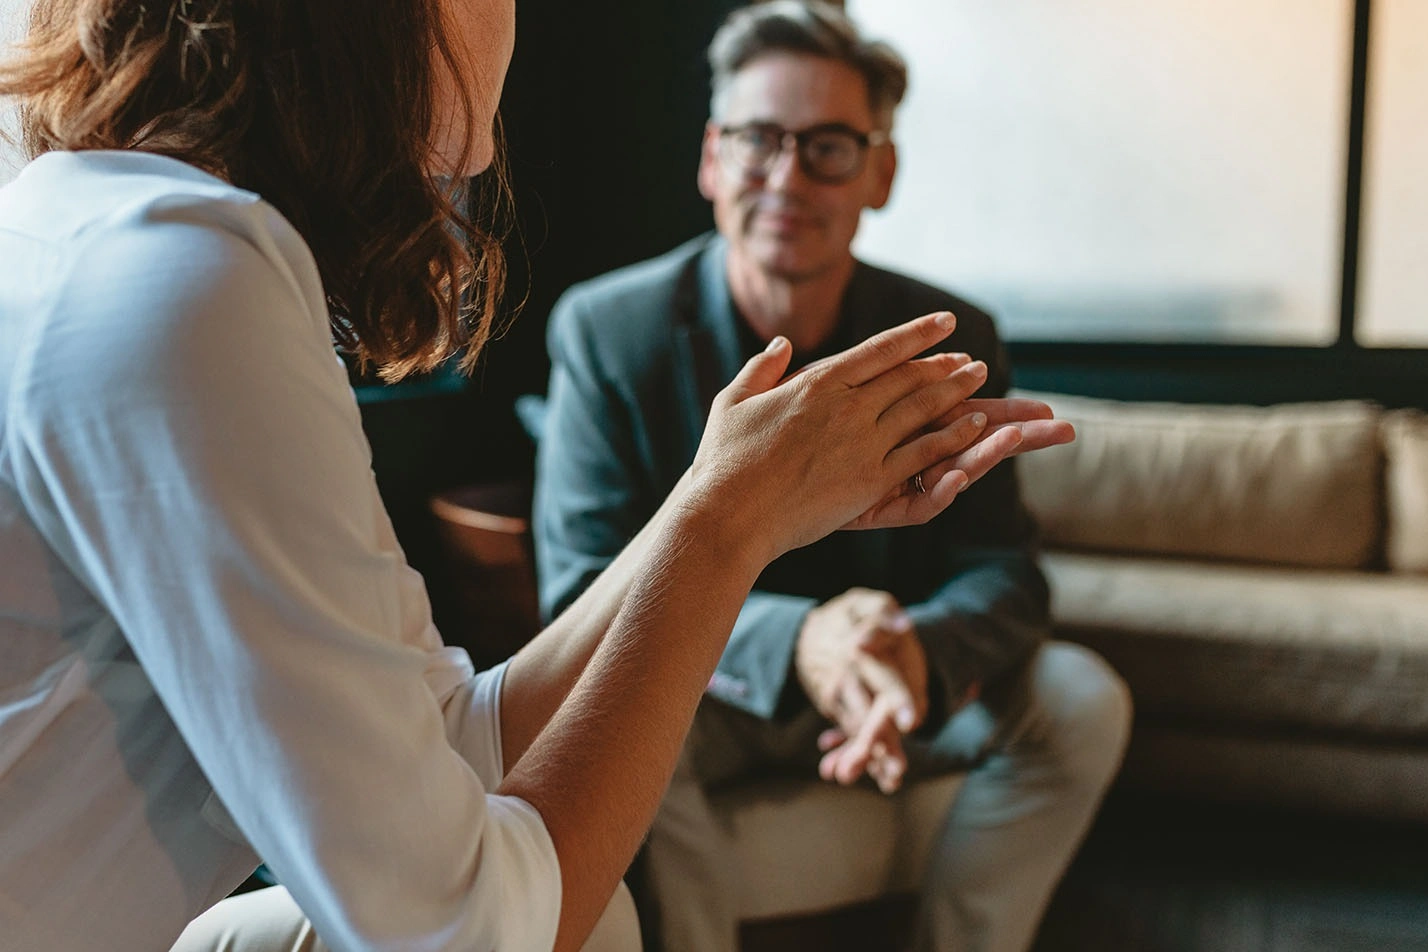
(706, 516)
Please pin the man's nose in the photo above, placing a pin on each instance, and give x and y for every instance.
(784, 170)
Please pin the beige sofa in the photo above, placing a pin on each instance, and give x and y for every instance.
(1260, 578)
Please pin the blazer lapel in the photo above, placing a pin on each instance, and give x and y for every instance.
(708, 357)
(706, 337)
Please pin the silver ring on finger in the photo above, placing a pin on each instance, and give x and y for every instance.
(917, 483)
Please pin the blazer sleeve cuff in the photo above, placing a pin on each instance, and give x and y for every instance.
(758, 660)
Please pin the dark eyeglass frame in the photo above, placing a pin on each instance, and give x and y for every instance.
(802, 140)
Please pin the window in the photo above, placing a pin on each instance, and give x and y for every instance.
(1393, 255)
(1165, 172)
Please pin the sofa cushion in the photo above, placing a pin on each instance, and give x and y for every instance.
(1253, 645)
(1405, 438)
(1310, 772)
(805, 846)
(1297, 484)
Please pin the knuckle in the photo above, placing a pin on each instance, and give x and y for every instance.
(883, 346)
(922, 374)
(807, 379)
(919, 407)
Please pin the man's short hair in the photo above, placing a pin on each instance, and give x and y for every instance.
(805, 26)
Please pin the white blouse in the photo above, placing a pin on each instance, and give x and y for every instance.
(211, 646)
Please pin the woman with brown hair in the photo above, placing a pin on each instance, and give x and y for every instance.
(211, 648)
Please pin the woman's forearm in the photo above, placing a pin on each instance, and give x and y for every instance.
(617, 727)
(542, 673)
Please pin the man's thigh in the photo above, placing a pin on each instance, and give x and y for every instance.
(726, 744)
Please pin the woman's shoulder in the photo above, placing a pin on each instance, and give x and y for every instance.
(155, 227)
(153, 267)
(96, 206)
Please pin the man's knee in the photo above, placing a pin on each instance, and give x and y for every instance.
(1084, 708)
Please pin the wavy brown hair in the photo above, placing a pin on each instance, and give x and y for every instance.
(322, 107)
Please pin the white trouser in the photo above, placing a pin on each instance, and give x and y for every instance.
(1038, 752)
(267, 920)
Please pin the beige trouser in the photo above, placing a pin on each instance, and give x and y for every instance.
(268, 920)
(1038, 751)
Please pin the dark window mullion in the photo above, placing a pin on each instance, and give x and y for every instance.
(1354, 173)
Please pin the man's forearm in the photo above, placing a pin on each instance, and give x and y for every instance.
(983, 623)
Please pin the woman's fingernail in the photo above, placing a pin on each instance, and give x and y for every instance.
(945, 319)
(979, 420)
(905, 717)
(774, 345)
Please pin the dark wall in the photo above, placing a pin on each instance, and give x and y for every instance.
(604, 108)
(603, 111)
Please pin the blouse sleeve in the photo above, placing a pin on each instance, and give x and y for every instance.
(197, 459)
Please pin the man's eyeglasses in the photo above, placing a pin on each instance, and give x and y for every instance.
(830, 153)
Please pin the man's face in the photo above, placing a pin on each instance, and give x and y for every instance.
(782, 221)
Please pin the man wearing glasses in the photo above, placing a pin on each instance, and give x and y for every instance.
(867, 657)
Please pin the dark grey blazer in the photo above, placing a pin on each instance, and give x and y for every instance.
(636, 359)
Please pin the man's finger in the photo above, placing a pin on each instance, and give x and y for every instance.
(887, 771)
(831, 738)
(844, 761)
(852, 702)
(999, 410)
(890, 689)
(977, 460)
(1039, 434)
(900, 508)
(852, 760)
(924, 453)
